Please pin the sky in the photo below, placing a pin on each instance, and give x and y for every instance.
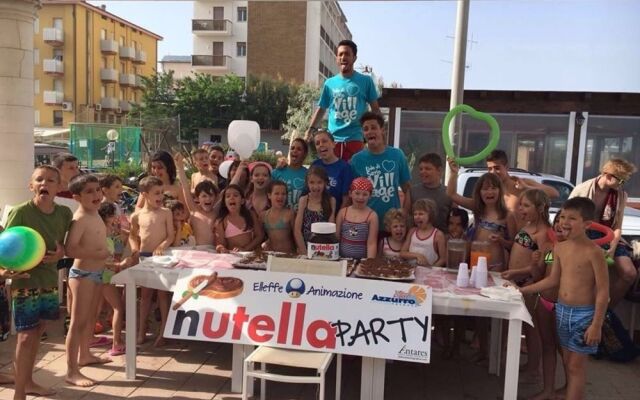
(556, 45)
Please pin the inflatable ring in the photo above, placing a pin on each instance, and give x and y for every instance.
(605, 230)
(493, 139)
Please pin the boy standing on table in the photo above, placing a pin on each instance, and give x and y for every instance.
(35, 299)
(151, 234)
(87, 244)
(580, 271)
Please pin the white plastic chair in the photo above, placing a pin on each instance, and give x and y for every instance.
(318, 361)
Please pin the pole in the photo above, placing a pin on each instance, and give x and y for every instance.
(457, 72)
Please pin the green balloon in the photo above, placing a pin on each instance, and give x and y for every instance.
(493, 140)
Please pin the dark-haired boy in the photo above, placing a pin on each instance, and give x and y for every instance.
(580, 271)
(385, 166)
(345, 95)
(430, 168)
(216, 157)
(87, 244)
(151, 234)
(203, 173)
(69, 167)
(35, 299)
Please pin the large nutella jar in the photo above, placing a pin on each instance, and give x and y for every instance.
(323, 243)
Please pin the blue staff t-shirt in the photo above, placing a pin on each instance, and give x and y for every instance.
(294, 178)
(387, 171)
(346, 99)
(340, 177)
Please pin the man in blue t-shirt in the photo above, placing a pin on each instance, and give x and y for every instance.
(385, 166)
(346, 96)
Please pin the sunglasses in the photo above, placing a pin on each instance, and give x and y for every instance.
(621, 181)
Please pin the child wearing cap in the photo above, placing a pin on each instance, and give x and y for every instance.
(357, 224)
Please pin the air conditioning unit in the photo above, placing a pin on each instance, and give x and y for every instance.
(67, 106)
(118, 110)
(98, 107)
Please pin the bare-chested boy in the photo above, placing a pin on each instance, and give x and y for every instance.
(151, 234)
(203, 214)
(87, 244)
(201, 162)
(580, 271)
(35, 299)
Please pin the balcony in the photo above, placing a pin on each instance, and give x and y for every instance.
(211, 62)
(108, 75)
(109, 103)
(52, 97)
(139, 83)
(125, 106)
(211, 27)
(108, 46)
(53, 67)
(141, 57)
(127, 53)
(53, 36)
(127, 80)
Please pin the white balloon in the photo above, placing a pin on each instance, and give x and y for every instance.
(224, 167)
(245, 146)
(238, 127)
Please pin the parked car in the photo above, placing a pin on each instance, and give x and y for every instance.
(467, 178)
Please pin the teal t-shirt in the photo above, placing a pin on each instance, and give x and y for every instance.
(294, 178)
(53, 228)
(387, 171)
(347, 99)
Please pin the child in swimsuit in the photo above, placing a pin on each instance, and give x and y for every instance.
(395, 223)
(357, 225)
(278, 220)
(526, 262)
(260, 175)
(317, 206)
(237, 228)
(425, 243)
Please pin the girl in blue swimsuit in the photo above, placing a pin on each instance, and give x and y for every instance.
(278, 220)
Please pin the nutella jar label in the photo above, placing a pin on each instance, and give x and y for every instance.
(323, 251)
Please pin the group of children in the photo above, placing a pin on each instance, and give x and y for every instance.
(254, 211)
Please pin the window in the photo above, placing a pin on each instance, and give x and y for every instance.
(57, 54)
(242, 14)
(121, 97)
(123, 67)
(57, 118)
(134, 44)
(103, 34)
(241, 48)
(36, 25)
(103, 62)
(121, 42)
(58, 85)
(36, 86)
(36, 56)
(36, 117)
(57, 23)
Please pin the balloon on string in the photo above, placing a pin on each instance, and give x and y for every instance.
(494, 134)
(21, 248)
(244, 137)
(224, 168)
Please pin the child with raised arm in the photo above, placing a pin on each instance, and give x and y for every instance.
(317, 206)
(278, 220)
(202, 216)
(425, 243)
(237, 228)
(203, 173)
(151, 234)
(395, 224)
(87, 244)
(35, 299)
(580, 273)
(357, 224)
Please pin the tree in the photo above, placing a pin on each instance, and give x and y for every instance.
(300, 110)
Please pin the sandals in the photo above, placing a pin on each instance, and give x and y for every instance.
(102, 341)
(117, 350)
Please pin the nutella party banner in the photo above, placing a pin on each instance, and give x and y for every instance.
(371, 318)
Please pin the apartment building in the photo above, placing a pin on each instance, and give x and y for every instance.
(292, 40)
(88, 63)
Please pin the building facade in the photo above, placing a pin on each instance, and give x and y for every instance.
(290, 40)
(88, 63)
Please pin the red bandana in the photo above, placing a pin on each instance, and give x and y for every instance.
(361, 184)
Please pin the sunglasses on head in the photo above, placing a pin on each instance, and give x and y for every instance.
(620, 180)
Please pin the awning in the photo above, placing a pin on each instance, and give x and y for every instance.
(47, 132)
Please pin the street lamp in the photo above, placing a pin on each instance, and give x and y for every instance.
(112, 135)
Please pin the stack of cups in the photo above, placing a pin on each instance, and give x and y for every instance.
(481, 273)
(463, 275)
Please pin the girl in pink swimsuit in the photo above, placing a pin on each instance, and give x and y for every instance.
(237, 228)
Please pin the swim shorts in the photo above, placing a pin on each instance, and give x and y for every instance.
(32, 305)
(572, 322)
